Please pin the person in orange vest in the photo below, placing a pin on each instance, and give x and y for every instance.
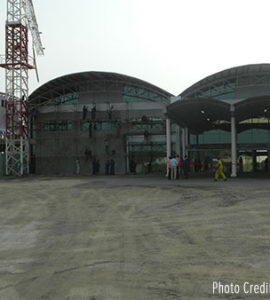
(169, 168)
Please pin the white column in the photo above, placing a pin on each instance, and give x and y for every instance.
(177, 140)
(168, 137)
(186, 141)
(233, 143)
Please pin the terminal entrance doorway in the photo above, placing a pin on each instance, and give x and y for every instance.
(248, 161)
(252, 161)
(260, 161)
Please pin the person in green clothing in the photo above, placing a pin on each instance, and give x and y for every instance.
(219, 170)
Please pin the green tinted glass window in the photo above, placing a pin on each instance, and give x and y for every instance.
(84, 125)
(254, 136)
(107, 126)
(211, 137)
(136, 94)
(154, 147)
(49, 126)
(68, 99)
(98, 125)
(173, 128)
(63, 125)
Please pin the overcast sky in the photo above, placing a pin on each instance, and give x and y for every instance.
(169, 43)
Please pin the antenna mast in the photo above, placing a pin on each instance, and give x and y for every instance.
(17, 62)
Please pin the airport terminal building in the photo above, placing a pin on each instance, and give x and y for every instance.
(99, 116)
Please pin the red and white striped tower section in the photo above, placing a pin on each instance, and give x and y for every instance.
(17, 62)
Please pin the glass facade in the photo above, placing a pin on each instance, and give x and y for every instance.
(143, 147)
(153, 123)
(249, 136)
(254, 136)
(129, 94)
(136, 94)
(68, 99)
(223, 90)
(99, 125)
(64, 125)
(211, 137)
(226, 87)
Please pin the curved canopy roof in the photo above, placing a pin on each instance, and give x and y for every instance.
(225, 84)
(246, 88)
(253, 107)
(199, 114)
(203, 114)
(71, 83)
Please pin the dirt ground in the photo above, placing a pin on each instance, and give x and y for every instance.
(131, 237)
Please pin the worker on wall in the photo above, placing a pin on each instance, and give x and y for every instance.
(219, 170)
(109, 111)
(93, 112)
(85, 110)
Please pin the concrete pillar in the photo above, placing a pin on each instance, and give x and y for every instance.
(127, 157)
(168, 137)
(233, 143)
(177, 140)
(186, 140)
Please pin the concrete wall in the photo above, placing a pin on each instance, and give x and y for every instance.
(57, 151)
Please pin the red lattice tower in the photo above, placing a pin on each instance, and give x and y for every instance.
(17, 62)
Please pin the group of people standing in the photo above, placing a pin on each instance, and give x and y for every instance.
(132, 165)
(95, 166)
(177, 167)
(109, 166)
